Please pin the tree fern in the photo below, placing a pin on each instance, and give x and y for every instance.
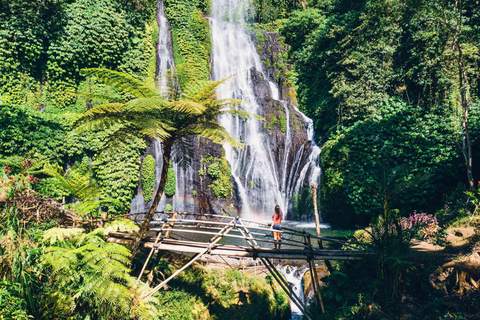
(121, 225)
(191, 111)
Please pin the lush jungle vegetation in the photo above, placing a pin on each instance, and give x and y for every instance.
(392, 87)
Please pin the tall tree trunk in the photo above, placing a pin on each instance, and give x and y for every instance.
(317, 224)
(463, 82)
(315, 208)
(466, 145)
(167, 149)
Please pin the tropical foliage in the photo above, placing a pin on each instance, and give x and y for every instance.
(142, 112)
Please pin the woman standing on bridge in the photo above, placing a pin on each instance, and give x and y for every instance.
(277, 225)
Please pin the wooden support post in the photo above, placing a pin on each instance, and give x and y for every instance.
(317, 224)
(154, 247)
(172, 224)
(214, 240)
(313, 273)
(316, 285)
(157, 240)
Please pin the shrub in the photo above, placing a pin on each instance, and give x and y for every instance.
(425, 226)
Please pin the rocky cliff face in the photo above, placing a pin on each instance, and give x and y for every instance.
(198, 188)
(296, 143)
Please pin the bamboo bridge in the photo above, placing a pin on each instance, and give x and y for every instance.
(208, 234)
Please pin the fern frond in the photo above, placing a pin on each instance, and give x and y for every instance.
(100, 123)
(91, 206)
(80, 186)
(60, 234)
(122, 81)
(13, 161)
(217, 133)
(203, 90)
(154, 129)
(187, 107)
(145, 105)
(106, 108)
(95, 96)
(121, 225)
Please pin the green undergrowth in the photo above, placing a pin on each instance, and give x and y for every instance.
(214, 294)
(220, 172)
(192, 44)
(34, 134)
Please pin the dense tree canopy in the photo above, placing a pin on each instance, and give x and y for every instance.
(351, 59)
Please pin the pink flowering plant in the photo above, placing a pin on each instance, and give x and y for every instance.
(424, 226)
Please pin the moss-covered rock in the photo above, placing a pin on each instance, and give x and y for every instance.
(148, 177)
(171, 186)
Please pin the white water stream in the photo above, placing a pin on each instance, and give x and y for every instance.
(166, 81)
(261, 182)
(294, 277)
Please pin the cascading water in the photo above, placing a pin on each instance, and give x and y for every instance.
(294, 276)
(165, 73)
(166, 81)
(261, 182)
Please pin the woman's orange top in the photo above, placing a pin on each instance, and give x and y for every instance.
(277, 219)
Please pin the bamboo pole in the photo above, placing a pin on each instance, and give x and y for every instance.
(151, 253)
(287, 242)
(171, 225)
(313, 274)
(316, 285)
(286, 287)
(313, 282)
(214, 241)
(317, 224)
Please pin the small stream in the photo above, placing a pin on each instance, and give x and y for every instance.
(294, 276)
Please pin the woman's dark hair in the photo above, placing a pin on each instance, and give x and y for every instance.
(277, 210)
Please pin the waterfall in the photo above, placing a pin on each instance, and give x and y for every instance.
(261, 182)
(165, 72)
(294, 277)
(166, 81)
